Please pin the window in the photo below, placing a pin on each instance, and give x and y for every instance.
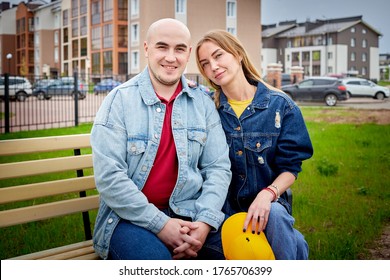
(353, 29)
(56, 55)
(289, 44)
(353, 42)
(122, 36)
(107, 62)
(66, 57)
(95, 9)
(83, 47)
(364, 31)
(316, 55)
(364, 71)
(83, 7)
(134, 34)
(353, 56)
(83, 26)
(295, 56)
(330, 40)
(232, 31)
(36, 39)
(134, 9)
(181, 6)
(122, 10)
(56, 37)
(364, 57)
(96, 38)
(107, 36)
(330, 69)
(364, 43)
(96, 63)
(75, 28)
(107, 10)
(330, 55)
(75, 8)
(231, 8)
(75, 48)
(122, 57)
(66, 36)
(135, 61)
(305, 56)
(65, 17)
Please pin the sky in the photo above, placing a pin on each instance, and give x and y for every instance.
(375, 13)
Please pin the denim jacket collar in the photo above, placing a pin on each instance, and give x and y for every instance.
(261, 99)
(147, 90)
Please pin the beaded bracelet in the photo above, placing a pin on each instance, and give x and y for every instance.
(271, 191)
(277, 190)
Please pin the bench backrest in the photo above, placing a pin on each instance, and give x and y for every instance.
(20, 151)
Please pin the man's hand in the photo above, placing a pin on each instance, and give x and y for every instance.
(200, 233)
(175, 233)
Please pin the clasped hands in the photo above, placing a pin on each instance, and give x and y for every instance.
(183, 237)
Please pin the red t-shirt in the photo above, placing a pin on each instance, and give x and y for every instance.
(162, 178)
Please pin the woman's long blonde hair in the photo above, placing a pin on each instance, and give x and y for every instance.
(232, 45)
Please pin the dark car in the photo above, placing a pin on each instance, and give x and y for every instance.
(62, 86)
(105, 86)
(326, 89)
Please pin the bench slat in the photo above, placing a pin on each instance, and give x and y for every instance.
(44, 189)
(43, 166)
(44, 144)
(48, 210)
(84, 250)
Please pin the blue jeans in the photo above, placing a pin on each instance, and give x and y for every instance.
(286, 242)
(131, 242)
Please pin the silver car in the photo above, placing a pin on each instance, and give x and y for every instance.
(358, 87)
(19, 88)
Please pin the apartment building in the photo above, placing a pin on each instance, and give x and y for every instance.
(105, 37)
(342, 46)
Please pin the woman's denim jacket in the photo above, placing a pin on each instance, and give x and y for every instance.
(269, 138)
(125, 139)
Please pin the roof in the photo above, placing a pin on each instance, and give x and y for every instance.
(318, 27)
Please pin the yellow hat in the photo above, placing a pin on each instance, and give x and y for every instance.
(239, 245)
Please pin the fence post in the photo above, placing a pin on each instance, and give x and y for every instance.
(6, 101)
(76, 98)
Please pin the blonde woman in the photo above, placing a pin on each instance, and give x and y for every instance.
(267, 137)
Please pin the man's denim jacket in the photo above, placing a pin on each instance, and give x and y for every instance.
(125, 138)
(269, 138)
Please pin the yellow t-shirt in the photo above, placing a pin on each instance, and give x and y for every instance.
(239, 106)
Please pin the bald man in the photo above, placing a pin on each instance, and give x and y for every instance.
(161, 161)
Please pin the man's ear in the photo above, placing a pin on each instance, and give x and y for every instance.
(146, 49)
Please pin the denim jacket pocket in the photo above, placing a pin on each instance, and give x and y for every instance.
(256, 148)
(136, 149)
(196, 141)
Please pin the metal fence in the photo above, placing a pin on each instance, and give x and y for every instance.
(52, 103)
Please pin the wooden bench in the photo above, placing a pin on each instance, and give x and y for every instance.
(34, 202)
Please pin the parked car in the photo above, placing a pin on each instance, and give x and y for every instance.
(62, 86)
(105, 86)
(329, 90)
(286, 79)
(19, 88)
(357, 87)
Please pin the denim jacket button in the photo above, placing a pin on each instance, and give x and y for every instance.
(158, 110)
(239, 153)
(258, 145)
(110, 220)
(144, 168)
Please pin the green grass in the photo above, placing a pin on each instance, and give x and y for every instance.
(341, 198)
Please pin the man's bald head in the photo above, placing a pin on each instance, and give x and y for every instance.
(167, 24)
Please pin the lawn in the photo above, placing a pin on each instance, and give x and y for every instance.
(341, 198)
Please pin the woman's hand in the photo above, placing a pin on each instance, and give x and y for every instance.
(258, 212)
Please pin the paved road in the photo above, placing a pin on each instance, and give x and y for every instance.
(357, 102)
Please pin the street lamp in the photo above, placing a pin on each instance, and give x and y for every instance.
(9, 57)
